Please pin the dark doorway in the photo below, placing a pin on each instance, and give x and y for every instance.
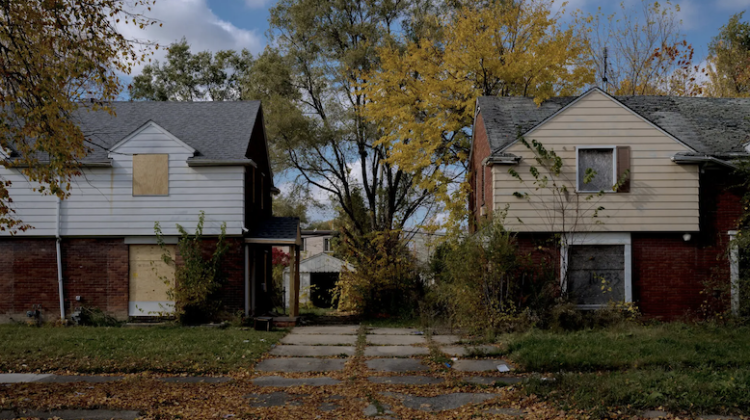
(323, 288)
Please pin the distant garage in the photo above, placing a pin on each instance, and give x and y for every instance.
(321, 271)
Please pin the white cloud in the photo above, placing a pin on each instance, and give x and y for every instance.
(194, 20)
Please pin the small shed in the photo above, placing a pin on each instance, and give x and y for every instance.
(321, 271)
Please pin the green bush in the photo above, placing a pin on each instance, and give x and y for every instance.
(198, 278)
(484, 285)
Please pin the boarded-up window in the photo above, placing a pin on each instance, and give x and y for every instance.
(151, 175)
(596, 274)
(596, 169)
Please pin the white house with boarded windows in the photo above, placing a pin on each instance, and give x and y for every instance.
(152, 162)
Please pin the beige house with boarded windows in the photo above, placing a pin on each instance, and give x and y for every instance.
(663, 176)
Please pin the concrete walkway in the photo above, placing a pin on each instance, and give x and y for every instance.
(388, 357)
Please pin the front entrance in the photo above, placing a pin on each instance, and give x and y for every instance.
(150, 279)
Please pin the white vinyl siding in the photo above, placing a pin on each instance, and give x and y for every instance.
(102, 201)
(663, 195)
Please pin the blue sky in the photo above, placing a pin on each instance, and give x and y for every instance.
(236, 24)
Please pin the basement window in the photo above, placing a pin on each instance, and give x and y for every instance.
(150, 175)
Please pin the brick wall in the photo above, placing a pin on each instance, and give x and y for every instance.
(232, 294)
(95, 269)
(28, 276)
(668, 272)
(481, 176)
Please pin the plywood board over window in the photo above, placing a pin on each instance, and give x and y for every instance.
(151, 174)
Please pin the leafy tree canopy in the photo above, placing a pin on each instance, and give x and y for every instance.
(729, 69)
(423, 95)
(55, 57)
(194, 77)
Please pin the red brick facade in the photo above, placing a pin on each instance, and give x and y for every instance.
(96, 269)
(480, 177)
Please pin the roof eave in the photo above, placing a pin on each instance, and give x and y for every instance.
(17, 163)
(691, 160)
(194, 163)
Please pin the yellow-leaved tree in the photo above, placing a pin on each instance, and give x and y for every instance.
(423, 96)
(57, 56)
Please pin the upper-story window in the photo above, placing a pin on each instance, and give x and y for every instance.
(597, 168)
(150, 175)
(327, 244)
(302, 245)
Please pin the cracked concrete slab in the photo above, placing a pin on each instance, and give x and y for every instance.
(466, 350)
(446, 339)
(480, 365)
(196, 379)
(313, 351)
(319, 339)
(395, 331)
(20, 378)
(395, 340)
(492, 380)
(441, 402)
(515, 412)
(282, 382)
(64, 379)
(378, 410)
(300, 364)
(396, 365)
(274, 399)
(395, 351)
(73, 414)
(327, 329)
(405, 380)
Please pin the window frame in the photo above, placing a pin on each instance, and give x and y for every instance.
(614, 167)
(326, 244)
(599, 238)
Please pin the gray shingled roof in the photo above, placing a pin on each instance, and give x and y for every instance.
(712, 126)
(216, 130)
(276, 228)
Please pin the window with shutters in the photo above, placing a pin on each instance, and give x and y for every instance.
(600, 168)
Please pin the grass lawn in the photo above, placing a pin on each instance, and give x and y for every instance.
(701, 369)
(169, 349)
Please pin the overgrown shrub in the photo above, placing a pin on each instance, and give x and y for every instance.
(198, 277)
(94, 317)
(484, 285)
(386, 279)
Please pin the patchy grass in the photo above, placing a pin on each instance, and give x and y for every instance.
(168, 349)
(670, 346)
(696, 369)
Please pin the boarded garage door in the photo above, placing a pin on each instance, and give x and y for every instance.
(596, 274)
(147, 287)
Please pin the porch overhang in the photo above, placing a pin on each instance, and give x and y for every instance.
(281, 231)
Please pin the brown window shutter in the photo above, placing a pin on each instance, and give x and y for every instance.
(623, 167)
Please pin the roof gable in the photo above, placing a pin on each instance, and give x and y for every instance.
(710, 126)
(150, 125)
(590, 93)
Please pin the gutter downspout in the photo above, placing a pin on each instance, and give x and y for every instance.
(247, 280)
(58, 223)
